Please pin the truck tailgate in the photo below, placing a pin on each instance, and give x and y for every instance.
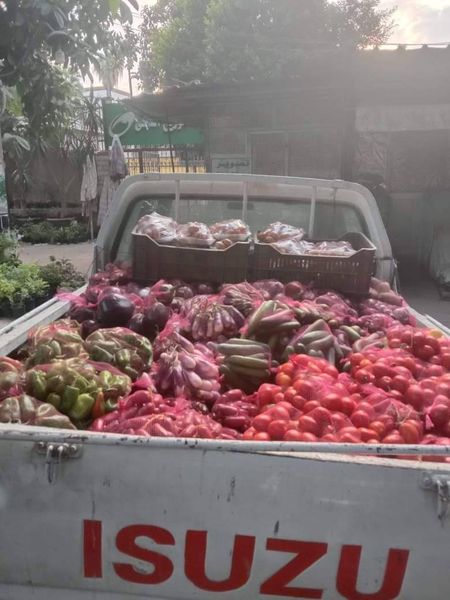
(127, 519)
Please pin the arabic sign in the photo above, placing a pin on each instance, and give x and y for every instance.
(134, 130)
(231, 164)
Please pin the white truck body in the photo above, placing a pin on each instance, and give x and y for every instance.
(95, 516)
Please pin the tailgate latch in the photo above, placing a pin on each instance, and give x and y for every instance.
(441, 485)
(55, 454)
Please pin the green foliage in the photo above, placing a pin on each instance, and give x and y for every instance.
(21, 282)
(8, 247)
(222, 40)
(46, 233)
(45, 46)
(61, 274)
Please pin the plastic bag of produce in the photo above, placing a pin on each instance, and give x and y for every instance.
(233, 229)
(160, 229)
(243, 296)
(208, 319)
(26, 410)
(276, 232)
(294, 246)
(11, 372)
(79, 389)
(185, 369)
(58, 340)
(194, 234)
(130, 352)
(151, 415)
(342, 249)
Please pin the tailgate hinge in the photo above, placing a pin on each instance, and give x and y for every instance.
(440, 484)
(54, 454)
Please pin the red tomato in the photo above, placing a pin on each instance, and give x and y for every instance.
(339, 421)
(367, 434)
(283, 380)
(410, 432)
(262, 436)
(288, 406)
(355, 359)
(364, 376)
(299, 402)
(353, 431)
(360, 419)
(309, 425)
(424, 352)
(266, 394)
(439, 414)
(330, 370)
(249, 434)
(304, 388)
(311, 405)
(388, 422)
(385, 383)
(418, 339)
(382, 370)
(332, 402)
(307, 436)
(378, 428)
(443, 388)
(300, 360)
(445, 360)
(348, 405)
(287, 368)
(293, 435)
(290, 394)
(367, 407)
(277, 429)
(435, 370)
(329, 437)
(401, 383)
(262, 422)
(433, 342)
(348, 438)
(279, 413)
(414, 396)
(393, 438)
(372, 441)
(321, 415)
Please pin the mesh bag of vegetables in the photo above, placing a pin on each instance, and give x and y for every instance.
(82, 390)
(130, 352)
(26, 410)
(11, 372)
(59, 340)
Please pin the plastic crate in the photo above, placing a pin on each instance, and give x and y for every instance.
(350, 275)
(153, 261)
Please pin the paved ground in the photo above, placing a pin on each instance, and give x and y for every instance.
(422, 294)
(80, 254)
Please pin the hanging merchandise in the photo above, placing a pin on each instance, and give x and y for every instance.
(119, 169)
(109, 188)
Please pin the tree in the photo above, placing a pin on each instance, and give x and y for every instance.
(185, 40)
(44, 46)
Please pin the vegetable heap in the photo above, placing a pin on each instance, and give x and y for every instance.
(262, 361)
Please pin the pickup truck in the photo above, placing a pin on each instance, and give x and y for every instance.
(96, 516)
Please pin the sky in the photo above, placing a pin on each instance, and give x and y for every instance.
(418, 21)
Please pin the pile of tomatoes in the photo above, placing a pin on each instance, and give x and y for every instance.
(388, 397)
